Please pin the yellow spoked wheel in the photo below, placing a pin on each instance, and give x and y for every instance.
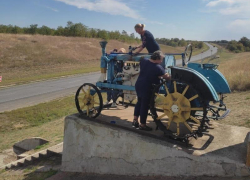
(176, 109)
(88, 100)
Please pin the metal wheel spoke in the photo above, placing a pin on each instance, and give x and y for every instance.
(178, 128)
(87, 110)
(158, 95)
(170, 118)
(175, 88)
(194, 97)
(169, 123)
(189, 128)
(82, 106)
(197, 109)
(80, 97)
(160, 106)
(166, 89)
(89, 90)
(185, 90)
(185, 108)
(195, 120)
(161, 116)
(83, 91)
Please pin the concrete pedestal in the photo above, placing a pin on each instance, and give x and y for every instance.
(96, 146)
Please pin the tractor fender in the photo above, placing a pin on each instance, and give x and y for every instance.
(213, 75)
(191, 77)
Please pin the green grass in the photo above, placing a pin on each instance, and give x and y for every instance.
(42, 120)
(36, 115)
(41, 146)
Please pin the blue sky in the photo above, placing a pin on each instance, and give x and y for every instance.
(188, 19)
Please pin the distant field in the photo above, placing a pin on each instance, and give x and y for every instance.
(25, 58)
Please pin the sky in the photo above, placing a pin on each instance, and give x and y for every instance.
(204, 20)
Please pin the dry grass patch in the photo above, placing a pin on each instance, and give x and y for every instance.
(239, 104)
(236, 71)
(25, 58)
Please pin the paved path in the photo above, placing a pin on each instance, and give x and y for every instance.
(34, 93)
(212, 50)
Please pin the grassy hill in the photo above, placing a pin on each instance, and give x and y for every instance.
(25, 58)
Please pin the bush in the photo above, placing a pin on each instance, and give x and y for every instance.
(242, 45)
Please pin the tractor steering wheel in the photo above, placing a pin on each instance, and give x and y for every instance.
(188, 53)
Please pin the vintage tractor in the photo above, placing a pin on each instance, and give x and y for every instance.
(180, 108)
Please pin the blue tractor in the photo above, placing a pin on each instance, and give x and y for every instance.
(181, 108)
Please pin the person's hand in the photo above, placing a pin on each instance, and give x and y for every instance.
(136, 53)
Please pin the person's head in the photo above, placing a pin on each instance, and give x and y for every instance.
(157, 56)
(122, 50)
(139, 28)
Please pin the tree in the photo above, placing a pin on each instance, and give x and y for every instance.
(93, 33)
(245, 41)
(103, 34)
(124, 33)
(182, 43)
(240, 47)
(132, 35)
(3, 28)
(200, 45)
(33, 29)
(44, 30)
(59, 31)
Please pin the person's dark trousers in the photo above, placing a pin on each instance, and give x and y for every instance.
(141, 108)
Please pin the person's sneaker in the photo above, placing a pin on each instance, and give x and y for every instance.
(113, 105)
(107, 102)
(135, 124)
(145, 128)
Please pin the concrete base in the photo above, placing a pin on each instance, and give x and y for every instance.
(96, 146)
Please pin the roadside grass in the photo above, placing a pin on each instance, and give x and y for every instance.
(42, 120)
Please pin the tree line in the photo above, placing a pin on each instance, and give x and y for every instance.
(243, 45)
(71, 29)
(81, 30)
(179, 42)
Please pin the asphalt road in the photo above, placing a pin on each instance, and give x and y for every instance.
(212, 50)
(34, 93)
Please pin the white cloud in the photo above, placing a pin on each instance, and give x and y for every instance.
(230, 7)
(53, 9)
(113, 7)
(240, 25)
(217, 2)
(235, 11)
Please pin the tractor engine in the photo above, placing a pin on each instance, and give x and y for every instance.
(129, 75)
